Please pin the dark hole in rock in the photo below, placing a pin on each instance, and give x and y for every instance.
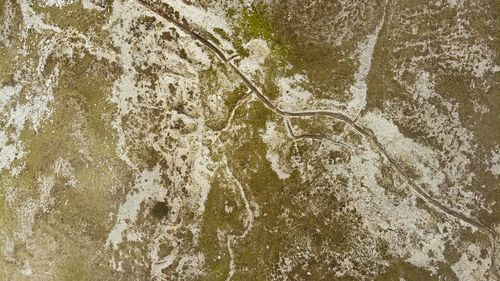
(484, 253)
(160, 210)
(167, 36)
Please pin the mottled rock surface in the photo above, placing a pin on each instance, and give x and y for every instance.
(249, 140)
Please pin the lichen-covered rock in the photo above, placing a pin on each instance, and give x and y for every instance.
(249, 140)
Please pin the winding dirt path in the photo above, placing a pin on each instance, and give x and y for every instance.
(366, 132)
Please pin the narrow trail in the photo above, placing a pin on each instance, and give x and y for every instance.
(366, 132)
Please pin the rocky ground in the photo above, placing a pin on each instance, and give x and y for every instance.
(249, 140)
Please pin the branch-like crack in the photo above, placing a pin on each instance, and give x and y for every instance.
(366, 132)
(248, 221)
(231, 116)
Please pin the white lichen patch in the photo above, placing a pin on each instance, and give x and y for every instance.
(471, 265)
(407, 151)
(205, 19)
(364, 53)
(454, 143)
(86, 4)
(462, 49)
(177, 140)
(146, 188)
(32, 20)
(274, 141)
(426, 163)
(58, 3)
(64, 169)
(9, 152)
(23, 105)
(31, 207)
(494, 162)
(258, 53)
(398, 221)
(169, 167)
(292, 95)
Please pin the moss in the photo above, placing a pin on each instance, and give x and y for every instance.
(216, 220)
(7, 216)
(210, 36)
(223, 34)
(75, 16)
(80, 110)
(400, 269)
(318, 125)
(272, 73)
(76, 266)
(11, 33)
(5, 66)
(77, 95)
(211, 81)
(379, 82)
(275, 234)
(73, 271)
(256, 23)
(232, 97)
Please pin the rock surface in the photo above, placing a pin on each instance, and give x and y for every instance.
(249, 140)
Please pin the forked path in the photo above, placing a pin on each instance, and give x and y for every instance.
(366, 132)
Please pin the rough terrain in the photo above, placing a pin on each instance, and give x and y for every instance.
(249, 140)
